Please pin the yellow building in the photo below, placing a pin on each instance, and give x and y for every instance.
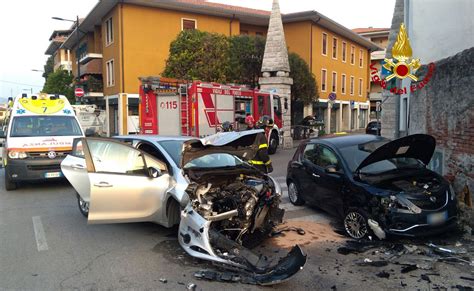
(131, 39)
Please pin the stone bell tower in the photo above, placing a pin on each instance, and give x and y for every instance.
(276, 69)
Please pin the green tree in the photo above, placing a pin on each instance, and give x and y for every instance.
(48, 67)
(198, 55)
(59, 82)
(245, 62)
(304, 83)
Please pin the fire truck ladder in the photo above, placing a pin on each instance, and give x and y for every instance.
(183, 93)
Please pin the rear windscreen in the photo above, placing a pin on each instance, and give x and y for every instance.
(24, 126)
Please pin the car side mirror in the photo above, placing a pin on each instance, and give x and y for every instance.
(332, 169)
(154, 172)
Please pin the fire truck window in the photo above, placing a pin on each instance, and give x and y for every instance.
(261, 104)
(277, 105)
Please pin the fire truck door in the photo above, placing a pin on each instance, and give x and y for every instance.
(168, 115)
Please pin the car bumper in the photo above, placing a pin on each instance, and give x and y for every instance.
(34, 170)
(416, 225)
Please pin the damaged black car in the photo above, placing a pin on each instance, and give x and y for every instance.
(375, 186)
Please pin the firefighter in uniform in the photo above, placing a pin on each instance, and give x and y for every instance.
(261, 160)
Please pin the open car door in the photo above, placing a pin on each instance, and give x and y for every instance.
(125, 184)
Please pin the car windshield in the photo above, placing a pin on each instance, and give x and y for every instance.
(355, 154)
(220, 160)
(41, 125)
(173, 148)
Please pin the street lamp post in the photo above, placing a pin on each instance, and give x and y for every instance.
(78, 78)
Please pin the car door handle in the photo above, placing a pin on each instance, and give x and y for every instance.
(78, 167)
(316, 175)
(103, 185)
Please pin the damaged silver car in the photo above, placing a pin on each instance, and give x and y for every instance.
(223, 205)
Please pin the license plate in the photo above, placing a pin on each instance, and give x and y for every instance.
(52, 175)
(437, 218)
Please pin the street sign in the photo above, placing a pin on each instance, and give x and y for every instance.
(79, 92)
(332, 96)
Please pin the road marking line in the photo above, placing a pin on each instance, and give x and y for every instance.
(39, 234)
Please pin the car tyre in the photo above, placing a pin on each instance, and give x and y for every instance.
(83, 206)
(273, 143)
(356, 223)
(294, 194)
(9, 184)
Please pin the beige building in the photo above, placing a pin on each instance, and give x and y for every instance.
(379, 36)
(61, 57)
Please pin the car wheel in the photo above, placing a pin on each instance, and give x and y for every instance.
(9, 184)
(272, 147)
(294, 194)
(355, 223)
(83, 206)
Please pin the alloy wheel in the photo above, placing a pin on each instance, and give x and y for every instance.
(355, 225)
(83, 205)
(292, 192)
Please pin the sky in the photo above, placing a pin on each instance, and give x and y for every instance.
(26, 25)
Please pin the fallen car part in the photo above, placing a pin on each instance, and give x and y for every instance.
(191, 286)
(299, 230)
(375, 227)
(282, 271)
(368, 262)
(383, 274)
(445, 251)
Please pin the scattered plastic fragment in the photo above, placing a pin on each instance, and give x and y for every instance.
(191, 286)
(163, 280)
(383, 274)
(408, 269)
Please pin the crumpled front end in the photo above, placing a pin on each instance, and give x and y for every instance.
(230, 215)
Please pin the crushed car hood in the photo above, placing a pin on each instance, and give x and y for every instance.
(417, 146)
(242, 144)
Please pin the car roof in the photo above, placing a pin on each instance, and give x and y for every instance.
(347, 140)
(154, 138)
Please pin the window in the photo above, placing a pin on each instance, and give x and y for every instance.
(344, 52)
(109, 32)
(352, 55)
(45, 125)
(110, 71)
(309, 152)
(188, 24)
(361, 58)
(334, 48)
(325, 44)
(352, 85)
(324, 157)
(343, 84)
(334, 82)
(114, 157)
(323, 80)
(360, 87)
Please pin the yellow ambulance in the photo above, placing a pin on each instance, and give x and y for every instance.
(39, 131)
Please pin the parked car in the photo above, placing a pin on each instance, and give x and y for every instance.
(373, 185)
(221, 203)
(373, 127)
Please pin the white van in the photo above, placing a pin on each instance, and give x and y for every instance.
(39, 130)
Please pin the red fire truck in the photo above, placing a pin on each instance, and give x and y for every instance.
(174, 107)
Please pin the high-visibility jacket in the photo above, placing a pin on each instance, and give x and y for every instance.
(261, 160)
